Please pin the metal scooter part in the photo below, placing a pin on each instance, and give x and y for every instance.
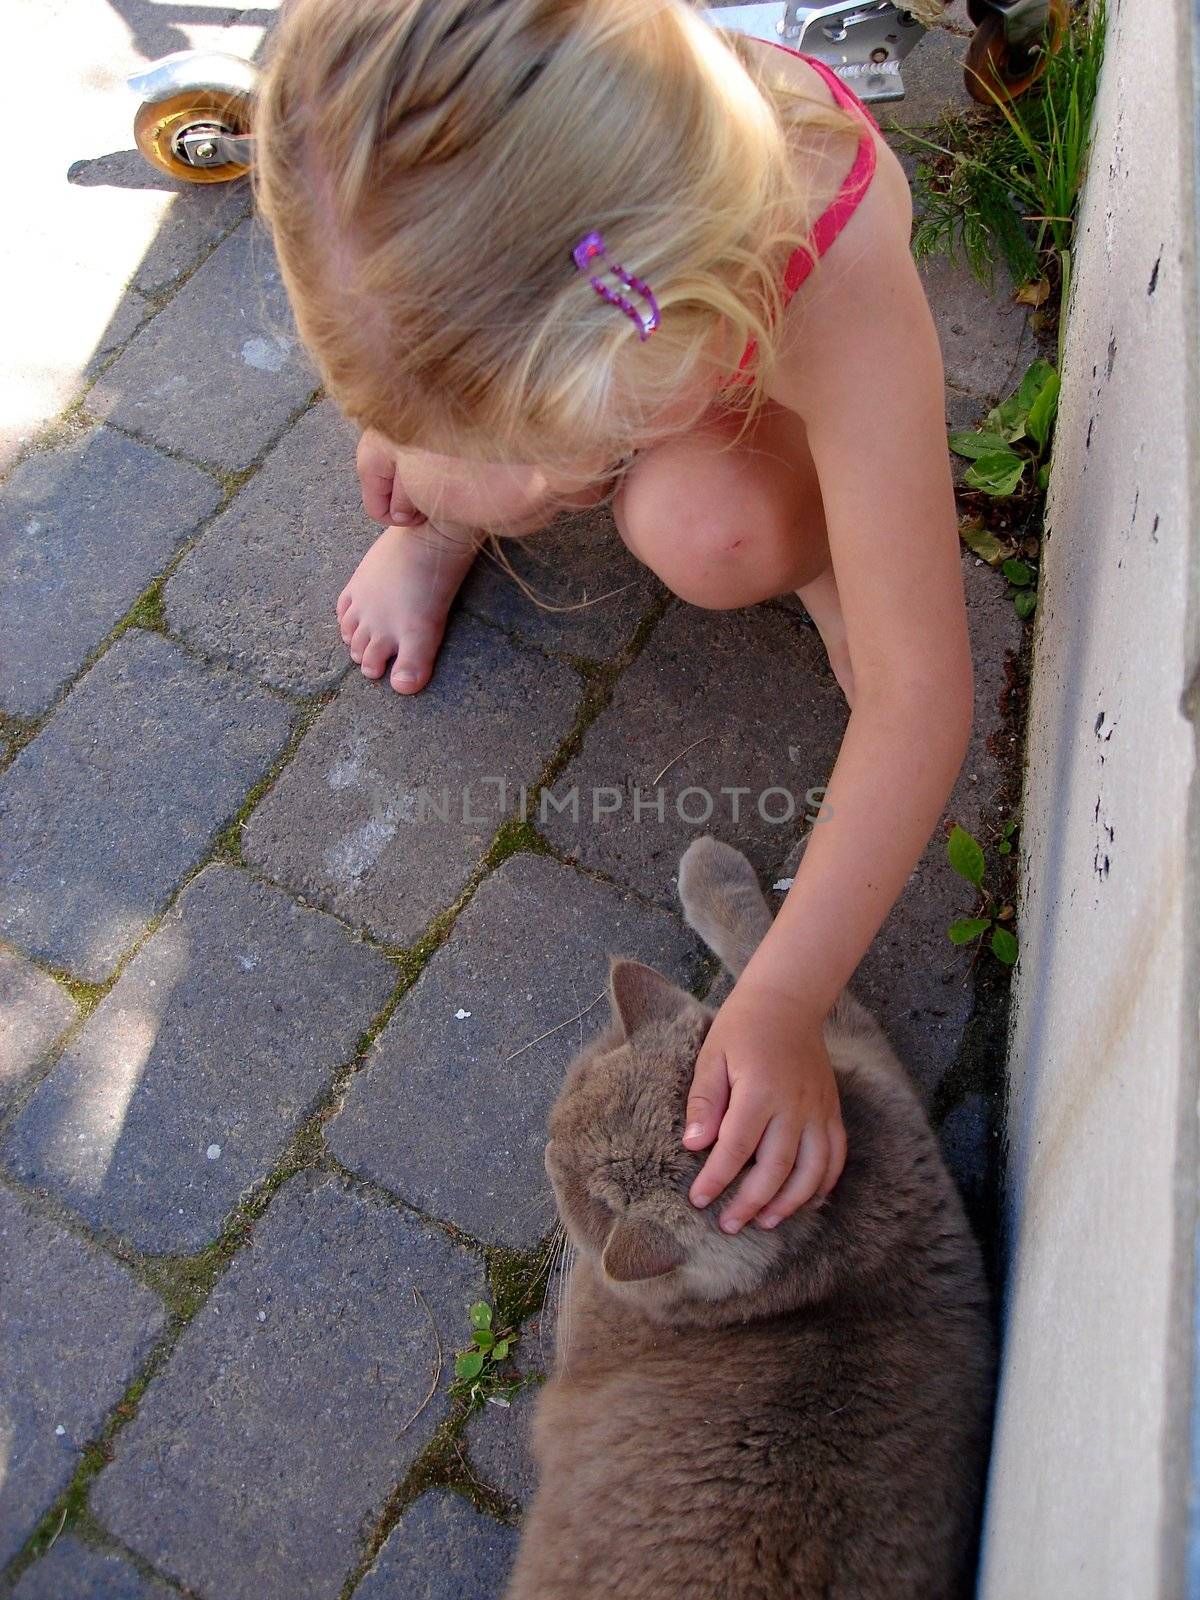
(864, 41)
(205, 141)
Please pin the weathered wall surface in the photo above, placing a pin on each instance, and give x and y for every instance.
(1089, 1493)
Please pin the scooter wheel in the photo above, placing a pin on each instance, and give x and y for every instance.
(159, 125)
(994, 67)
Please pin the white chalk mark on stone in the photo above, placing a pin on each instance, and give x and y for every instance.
(352, 857)
(267, 355)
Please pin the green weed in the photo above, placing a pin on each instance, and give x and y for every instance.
(1002, 183)
(965, 855)
(1009, 454)
(477, 1369)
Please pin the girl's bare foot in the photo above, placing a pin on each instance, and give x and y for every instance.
(396, 603)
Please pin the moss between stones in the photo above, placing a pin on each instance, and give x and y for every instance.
(519, 1280)
(70, 1510)
(146, 612)
(227, 846)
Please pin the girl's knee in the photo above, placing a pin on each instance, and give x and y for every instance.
(709, 549)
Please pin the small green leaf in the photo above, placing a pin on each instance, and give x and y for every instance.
(469, 1364)
(1037, 376)
(1011, 419)
(1004, 848)
(484, 1338)
(975, 444)
(998, 474)
(1042, 411)
(965, 855)
(481, 1314)
(968, 928)
(983, 543)
(1004, 946)
(1007, 420)
(1043, 477)
(1009, 828)
(1018, 573)
(501, 1350)
(1025, 601)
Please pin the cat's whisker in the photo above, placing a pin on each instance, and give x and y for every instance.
(566, 1297)
(540, 1197)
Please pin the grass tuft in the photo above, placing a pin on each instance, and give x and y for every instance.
(1001, 183)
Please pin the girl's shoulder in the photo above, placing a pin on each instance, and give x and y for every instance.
(885, 208)
(871, 250)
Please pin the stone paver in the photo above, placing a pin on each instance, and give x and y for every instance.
(75, 1571)
(984, 337)
(499, 1444)
(530, 951)
(735, 698)
(217, 374)
(259, 588)
(914, 980)
(442, 1549)
(578, 559)
(353, 821)
(186, 1081)
(199, 218)
(128, 315)
(498, 1438)
(289, 1410)
(34, 1011)
(74, 1329)
(122, 792)
(84, 530)
(933, 81)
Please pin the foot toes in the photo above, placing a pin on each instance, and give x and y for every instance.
(377, 655)
(415, 654)
(359, 643)
(348, 624)
(408, 679)
(344, 600)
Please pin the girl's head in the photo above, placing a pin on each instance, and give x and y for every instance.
(427, 167)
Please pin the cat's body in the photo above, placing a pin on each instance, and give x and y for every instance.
(774, 1416)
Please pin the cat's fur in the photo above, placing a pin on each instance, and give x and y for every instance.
(777, 1415)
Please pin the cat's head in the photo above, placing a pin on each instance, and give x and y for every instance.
(621, 1174)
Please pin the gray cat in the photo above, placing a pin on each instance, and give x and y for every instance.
(777, 1415)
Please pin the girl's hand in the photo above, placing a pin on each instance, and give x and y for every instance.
(763, 1079)
(383, 495)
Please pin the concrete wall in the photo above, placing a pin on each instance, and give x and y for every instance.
(1090, 1483)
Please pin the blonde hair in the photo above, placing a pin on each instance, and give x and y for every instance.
(427, 166)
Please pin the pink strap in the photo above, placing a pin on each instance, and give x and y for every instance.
(840, 209)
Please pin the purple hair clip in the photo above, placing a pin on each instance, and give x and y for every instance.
(586, 251)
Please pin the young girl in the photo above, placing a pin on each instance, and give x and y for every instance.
(545, 249)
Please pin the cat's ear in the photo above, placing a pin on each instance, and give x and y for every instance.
(638, 1249)
(639, 995)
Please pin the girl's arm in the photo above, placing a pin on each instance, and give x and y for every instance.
(871, 389)
(403, 487)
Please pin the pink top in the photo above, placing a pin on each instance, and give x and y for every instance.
(840, 209)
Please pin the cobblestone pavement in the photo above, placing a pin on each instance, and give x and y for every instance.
(276, 1049)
